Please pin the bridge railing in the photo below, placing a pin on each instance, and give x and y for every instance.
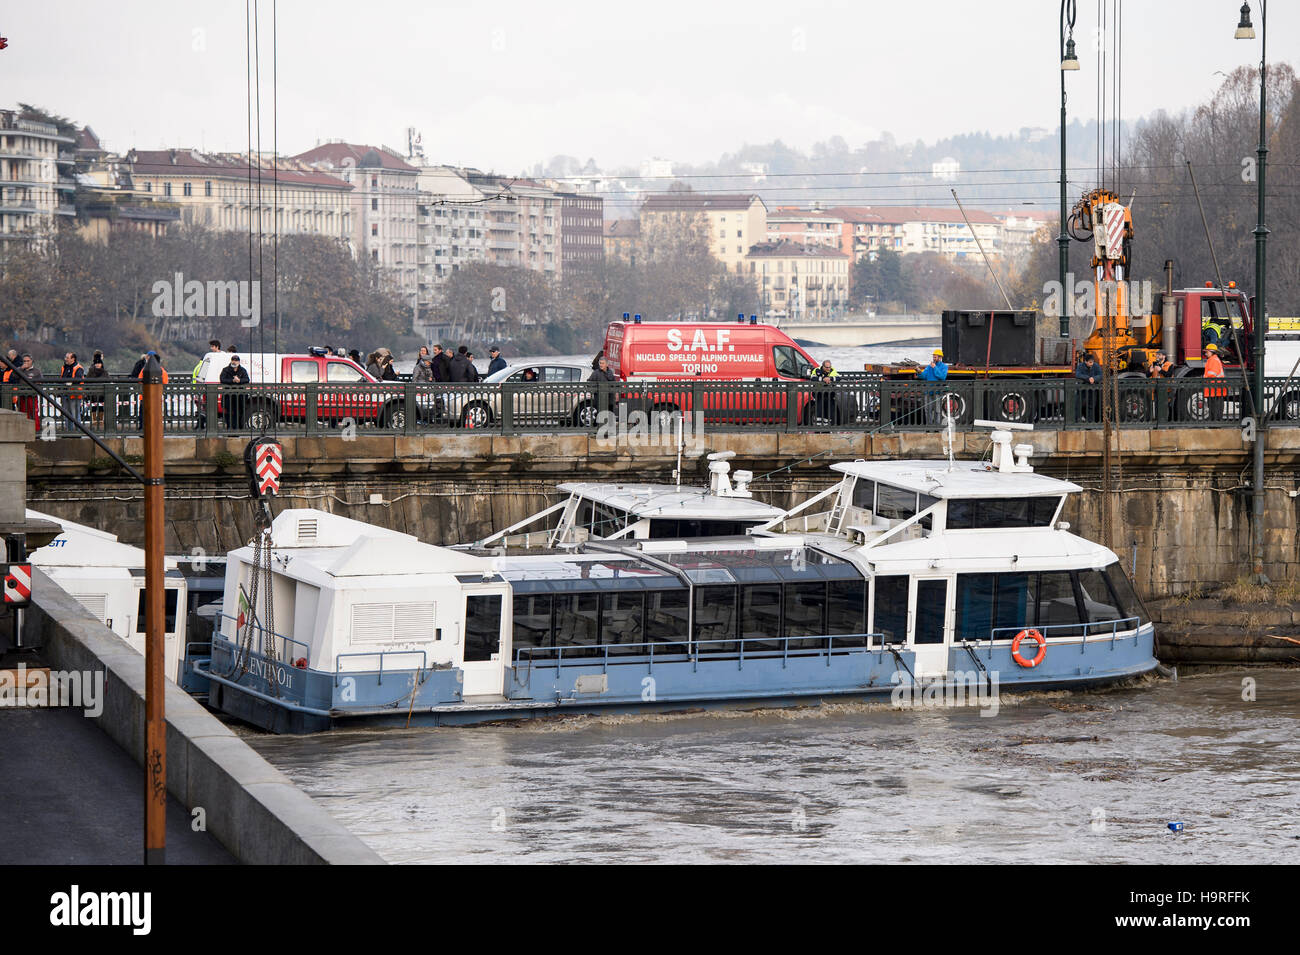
(657, 409)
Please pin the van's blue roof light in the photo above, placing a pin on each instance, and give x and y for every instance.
(753, 319)
(740, 317)
(637, 318)
(626, 316)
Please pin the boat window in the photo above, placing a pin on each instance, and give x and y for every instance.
(1099, 604)
(1126, 597)
(846, 611)
(665, 620)
(805, 610)
(532, 621)
(675, 529)
(621, 616)
(889, 610)
(967, 513)
(608, 520)
(894, 503)
(482, 626)
(715, 619)
(575, 622)
(1015, 607)
(583, 515)
(931, 609)
(1057, 606)
(760, 615)
(864, 494)
(169, 611)
(922, 502)
(975, 602)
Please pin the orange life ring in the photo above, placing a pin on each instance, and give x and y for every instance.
(1032, 635)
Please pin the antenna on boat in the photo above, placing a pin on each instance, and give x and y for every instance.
(951, 434)
(677, 472)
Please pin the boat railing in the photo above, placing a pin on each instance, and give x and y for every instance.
(340, 672)
(1057, 631)
(281, 655)
(723, 648)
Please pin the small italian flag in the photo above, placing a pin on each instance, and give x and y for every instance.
(243, 608)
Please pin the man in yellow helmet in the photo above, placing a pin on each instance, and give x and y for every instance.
(1214, 369)
(937, 370)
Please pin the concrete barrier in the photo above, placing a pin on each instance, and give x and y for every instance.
(251, 808)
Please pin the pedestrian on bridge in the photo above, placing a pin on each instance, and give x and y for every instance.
(497, 363)
(1088, 374)
(72, 371)
(235, 378)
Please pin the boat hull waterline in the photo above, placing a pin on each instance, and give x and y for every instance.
(282, 698)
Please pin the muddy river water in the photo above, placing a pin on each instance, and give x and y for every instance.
(1058, 777)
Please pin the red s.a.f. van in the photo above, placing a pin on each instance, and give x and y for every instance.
(715, 351)
(715, 357)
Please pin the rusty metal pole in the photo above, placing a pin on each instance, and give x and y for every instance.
(155, 732)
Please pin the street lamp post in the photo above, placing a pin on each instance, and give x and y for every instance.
(1245, 31)
(1068, 62)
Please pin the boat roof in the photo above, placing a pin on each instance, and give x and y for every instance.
(81, 546)
(671, 501)
(341, 547)
(957, 479)
(990, 551)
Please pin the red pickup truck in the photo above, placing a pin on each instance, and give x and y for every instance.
(383, 405)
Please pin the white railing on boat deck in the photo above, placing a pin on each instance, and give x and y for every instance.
(727, 648)
(1082, 631)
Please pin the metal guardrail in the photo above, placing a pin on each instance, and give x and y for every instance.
(739, 649)
(111, 408)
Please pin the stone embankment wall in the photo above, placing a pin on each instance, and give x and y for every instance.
(1182, 495)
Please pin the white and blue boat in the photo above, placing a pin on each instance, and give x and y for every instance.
(921, 576)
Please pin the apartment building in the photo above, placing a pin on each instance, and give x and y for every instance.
(808, 226)
(621, 238)
(234, 192)
(908, 229)
(35, 182)
(582, 225)
(798, 281)
(107, 199)
(1020, 228)
(384, 200)
(732, 222)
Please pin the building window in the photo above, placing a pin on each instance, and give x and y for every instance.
(374, 205)
(207, 188)
(167, 188)
(374, 230)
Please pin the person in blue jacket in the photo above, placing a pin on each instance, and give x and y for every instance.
(937, 370)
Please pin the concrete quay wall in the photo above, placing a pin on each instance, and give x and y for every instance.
(252, 808)
(1183, 498)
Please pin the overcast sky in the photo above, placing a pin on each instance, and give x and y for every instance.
(502, 85)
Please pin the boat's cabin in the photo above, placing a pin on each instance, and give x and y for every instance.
(107, 578)
(616, 510)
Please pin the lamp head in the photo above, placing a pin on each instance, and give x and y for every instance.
(1070, 61)
(1244, 29)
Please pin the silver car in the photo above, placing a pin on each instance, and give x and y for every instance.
(562, 397)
